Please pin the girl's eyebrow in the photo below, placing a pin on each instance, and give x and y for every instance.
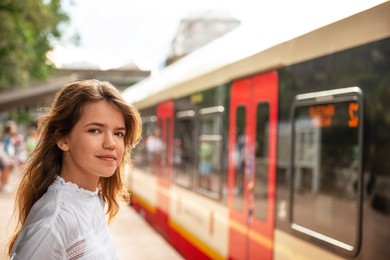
(95, 124)
(103, 125)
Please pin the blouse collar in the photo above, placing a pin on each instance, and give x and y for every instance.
(59, 181)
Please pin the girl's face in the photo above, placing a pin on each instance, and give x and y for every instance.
(95, 146)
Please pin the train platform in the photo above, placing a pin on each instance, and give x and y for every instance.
(134, 238)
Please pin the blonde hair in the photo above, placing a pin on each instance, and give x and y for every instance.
(46, 161)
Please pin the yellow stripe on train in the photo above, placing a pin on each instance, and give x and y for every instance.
(195, 241)
(259, 238)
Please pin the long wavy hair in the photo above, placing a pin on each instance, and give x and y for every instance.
(46, 161)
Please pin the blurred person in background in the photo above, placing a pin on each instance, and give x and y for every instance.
(20, 150)
(206, 164)
(72, 182)
(7, 154)
(31, 139)
(155, 147)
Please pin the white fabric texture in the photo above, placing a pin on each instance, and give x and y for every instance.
(68, 222)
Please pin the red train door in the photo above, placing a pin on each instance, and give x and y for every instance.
(164, 133)
(252, 166)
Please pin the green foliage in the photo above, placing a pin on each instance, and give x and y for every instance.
(26, 30)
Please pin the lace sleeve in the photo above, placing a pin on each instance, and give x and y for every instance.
(76, 250)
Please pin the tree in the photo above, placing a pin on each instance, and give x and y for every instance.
(27, 28)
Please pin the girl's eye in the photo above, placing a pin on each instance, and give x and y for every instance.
(120, 134)
(94, 131)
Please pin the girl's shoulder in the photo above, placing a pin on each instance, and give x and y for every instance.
(59, 214)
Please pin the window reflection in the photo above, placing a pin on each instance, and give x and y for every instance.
(209, 151)
(183, 151)
(326, 169)
(155, 146)
(239, 159)
(205, 164)
(143, 156)
(261, 167)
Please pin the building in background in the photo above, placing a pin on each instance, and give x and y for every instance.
(198, 29)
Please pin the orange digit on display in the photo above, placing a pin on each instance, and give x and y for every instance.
(353, 117)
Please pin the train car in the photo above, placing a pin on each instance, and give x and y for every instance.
(271, 147)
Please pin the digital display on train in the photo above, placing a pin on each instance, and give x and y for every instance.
(340, 114)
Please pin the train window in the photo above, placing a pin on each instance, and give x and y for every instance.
(166, 148)
(261, 162)
(183, 149)
(157, 144)
(209, 151)
(143, 153)
(239, 159)
(326, 167)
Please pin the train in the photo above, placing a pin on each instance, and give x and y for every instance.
(271, 144)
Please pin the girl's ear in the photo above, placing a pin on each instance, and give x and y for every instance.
(63, 144)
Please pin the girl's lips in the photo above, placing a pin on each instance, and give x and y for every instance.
(107, 157)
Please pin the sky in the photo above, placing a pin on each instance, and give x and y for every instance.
(114, 33)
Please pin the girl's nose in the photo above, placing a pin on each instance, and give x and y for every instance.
(109, 142)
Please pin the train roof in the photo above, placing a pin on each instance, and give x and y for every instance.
(256, 48)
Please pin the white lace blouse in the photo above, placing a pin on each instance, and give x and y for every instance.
(68, 222)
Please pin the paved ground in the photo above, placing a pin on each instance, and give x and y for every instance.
(134, 238)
